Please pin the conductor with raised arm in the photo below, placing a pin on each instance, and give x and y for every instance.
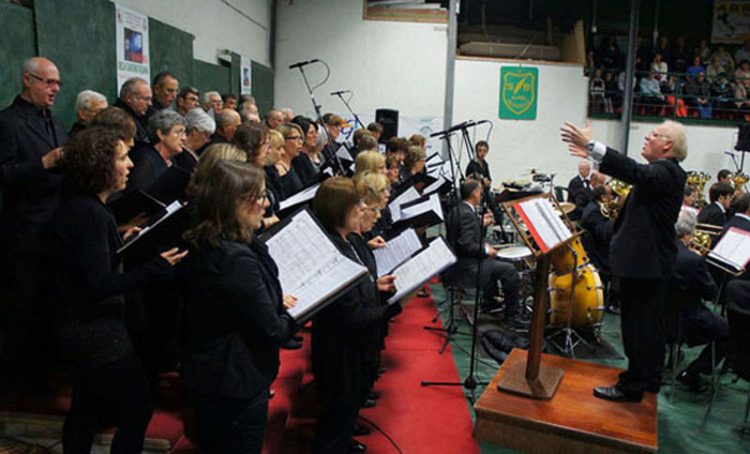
(643, 251)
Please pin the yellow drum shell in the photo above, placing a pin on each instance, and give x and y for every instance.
(589, 298)
(562, 258)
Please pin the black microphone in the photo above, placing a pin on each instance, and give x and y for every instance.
(465, 124)
(303, 63)
(729, 153)
(336, 93)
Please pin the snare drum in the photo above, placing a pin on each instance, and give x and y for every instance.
(519, 256)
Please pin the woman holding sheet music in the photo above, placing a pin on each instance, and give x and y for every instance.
(235, 319)
(107, 376)
(339, 347)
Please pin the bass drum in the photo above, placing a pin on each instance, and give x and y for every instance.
(588, 306)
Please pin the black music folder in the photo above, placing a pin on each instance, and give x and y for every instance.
(162, 234)
(170, 186)
(310, 266)
(425, 211)
(133, 203)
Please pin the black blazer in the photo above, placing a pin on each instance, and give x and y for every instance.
(186, 160)
(30, 193)
(599, 231)
(148, 166)
(141, 122)
(305, 168)
(234, 319)
(737, 222)
(575, 185)
(712, 214)
(464, 232)
(91, 283)
(643, 239)
(691, 272)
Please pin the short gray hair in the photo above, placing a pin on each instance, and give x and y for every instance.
(130, 86)
(198, 118)
(686, 222)
(225, 117)
(86, 97)
(207, 96)
(163, 121)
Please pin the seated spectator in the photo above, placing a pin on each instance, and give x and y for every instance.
(723, 92)
(597, 89)
(703, 51)
(696, 68)
(651, 90)
(743, 53)
(714, 69)
(725, 58)
(681, 57)
(613, 94)
(674, 91)
(612, 57)
(742, 71)
(697, 92)
(659, 67)
(741, 99)
(663, 48)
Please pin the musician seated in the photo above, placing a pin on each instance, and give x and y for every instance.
(720, 196)
(700, 326)
(688, 200)
(599, 229)
(578, 183)
(741, 218)
(464, 234)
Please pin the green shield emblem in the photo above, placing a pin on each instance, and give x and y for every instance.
(518, 93)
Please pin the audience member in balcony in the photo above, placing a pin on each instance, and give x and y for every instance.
(612, 57)
(723, 92)
(725, 58)
(697, 67)
(714, 69)
(674, 90)
(651, 90)
(743, 53)
(697, 92)
(741, 90)
(742, 72)
(612, 94)
(621, 82)
(663, 48)
(659, 67)
(681, 56)
(597, 90)
(703, 51)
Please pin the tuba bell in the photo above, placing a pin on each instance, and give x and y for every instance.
(621, 190)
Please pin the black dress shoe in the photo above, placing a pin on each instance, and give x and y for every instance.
(361, 430)
(615, 394)
(297, 337)
(355, 446)
(292, 344)
(692, 381)
(369, 403)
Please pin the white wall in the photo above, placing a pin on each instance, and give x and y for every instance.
(401, 65)
(242, 26)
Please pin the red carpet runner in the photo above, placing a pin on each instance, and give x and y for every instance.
(418, 419)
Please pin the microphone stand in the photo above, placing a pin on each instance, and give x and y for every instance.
(318, 116)
(349, 108)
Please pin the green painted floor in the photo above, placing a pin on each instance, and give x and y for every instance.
(680, 423)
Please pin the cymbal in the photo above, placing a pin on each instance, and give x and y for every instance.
(567, 207)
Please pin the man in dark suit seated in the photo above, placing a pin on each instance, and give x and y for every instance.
(30, 140)
(642, 251)
(741, 218)
(720, 196)
(599, 230)
(578, 183)
(700, 326)
(464, 234)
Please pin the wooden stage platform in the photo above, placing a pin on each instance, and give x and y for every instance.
(573, 420)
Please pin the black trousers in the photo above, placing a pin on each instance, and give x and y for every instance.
(703, 327)
(494, 270)
(117, 390)
(228, 426)
(26, 317)
(641, 309)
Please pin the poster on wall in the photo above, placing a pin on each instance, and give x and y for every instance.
(731, 22)
(518, 93)
(131, 37)
(246, 75)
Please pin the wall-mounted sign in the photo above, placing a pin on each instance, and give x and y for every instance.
(518, 93)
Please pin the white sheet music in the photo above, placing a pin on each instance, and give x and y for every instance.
(405, 197)
(396, 251)
(310, 266)
(433, 160)
(431, 204)
(733, 249)
(434, 186)
(343, 153)
(416, 271)
(300, 197)
(548, 225)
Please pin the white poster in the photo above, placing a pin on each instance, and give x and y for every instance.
(731, 21)
(132, 45)
(246, 75)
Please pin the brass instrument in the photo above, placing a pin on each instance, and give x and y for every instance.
(622, 191)
(739, 179)
(698, 181)
(703, 236)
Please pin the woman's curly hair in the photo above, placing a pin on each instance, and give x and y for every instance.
(88, 159)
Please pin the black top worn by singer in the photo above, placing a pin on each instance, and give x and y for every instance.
(30, 193)
(234, 319)
(92, 284)
(476, 168)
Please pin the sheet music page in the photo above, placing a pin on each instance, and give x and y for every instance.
(396, 251)
(343, 153)
(549, 227)
(405, 197)
(558, 225)
(431, 204)
(434, 186)
(417, 270)
(310, 266)
(733, 248)
(300, 197)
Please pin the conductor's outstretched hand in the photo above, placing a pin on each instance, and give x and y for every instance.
(577, 138)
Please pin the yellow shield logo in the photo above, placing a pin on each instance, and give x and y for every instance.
(518, 92)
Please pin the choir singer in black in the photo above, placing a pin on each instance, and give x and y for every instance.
(107, 376)
(643, 249)
(235, 319)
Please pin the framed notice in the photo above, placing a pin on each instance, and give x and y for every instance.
(131, 38)
(246, 75)
(731, 22)
(518, 93)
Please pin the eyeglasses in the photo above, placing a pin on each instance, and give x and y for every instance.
(172, 90)
(49, 82)
(294, 138)
(260, 198)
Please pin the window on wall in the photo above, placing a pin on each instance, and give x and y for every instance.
(407, 10)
